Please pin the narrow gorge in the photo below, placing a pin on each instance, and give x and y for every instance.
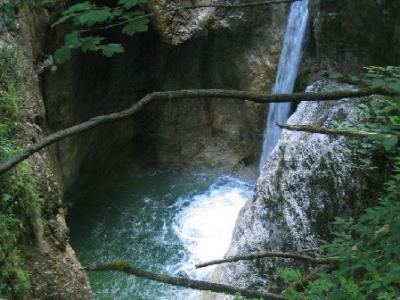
(191, 180)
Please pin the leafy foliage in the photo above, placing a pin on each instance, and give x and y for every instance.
(374, 77)
(289, 275)
(367, 249)
(88, 17)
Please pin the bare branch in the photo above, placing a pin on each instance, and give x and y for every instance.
(125, 267)
(185, 94)
(265, 254)
(192, 7)
(332, 131)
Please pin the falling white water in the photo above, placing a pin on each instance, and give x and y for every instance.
(205, 227)
(289, 62)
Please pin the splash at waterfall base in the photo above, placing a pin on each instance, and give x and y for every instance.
(165, 222)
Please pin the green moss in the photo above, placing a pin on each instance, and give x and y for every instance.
(20, 199)
(120, 264)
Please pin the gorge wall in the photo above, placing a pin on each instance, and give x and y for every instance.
(54, 271)
(353, 34)
(208, 48)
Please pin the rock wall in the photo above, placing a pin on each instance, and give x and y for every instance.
(308, 180)
(54, 268)
(351, 34)
(238, 49)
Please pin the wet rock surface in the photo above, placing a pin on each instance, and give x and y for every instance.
(55, 271)
(307, 181)
(240, 51)
(352, 34)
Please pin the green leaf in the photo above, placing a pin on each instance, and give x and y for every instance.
(395, 85)
(395, 120)
(335, 75)
(321, 285)
(289, 275)
(72, 12)
(390, 143)
(140, 25)
(62, 20)
(111, 49)
(128, 3)
(354, 78)
(376, 83)
(80, 7)
(72, 40)
(91, 43)
(93, 17)
(62, 55)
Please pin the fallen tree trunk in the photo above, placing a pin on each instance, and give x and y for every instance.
(186, 94)
(125, 267)
(334, 131)
(265, 254)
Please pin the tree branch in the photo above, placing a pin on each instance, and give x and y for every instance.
(332, 131)
(185, 94)
(125, 267)
(192, 7)
(264, 254)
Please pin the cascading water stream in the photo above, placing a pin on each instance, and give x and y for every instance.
(289, 62)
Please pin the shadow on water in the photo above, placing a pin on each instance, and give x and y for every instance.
(163, 222)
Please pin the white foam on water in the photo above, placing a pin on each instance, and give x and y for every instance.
(206, 225)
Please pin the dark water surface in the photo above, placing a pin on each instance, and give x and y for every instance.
(162, 222)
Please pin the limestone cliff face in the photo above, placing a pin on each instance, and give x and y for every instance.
(352, 34)
(307, 181)
(54, 268)
(238, 49)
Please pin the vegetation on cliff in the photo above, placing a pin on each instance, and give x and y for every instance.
(20, 199)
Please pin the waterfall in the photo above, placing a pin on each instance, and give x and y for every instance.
(288, 68)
